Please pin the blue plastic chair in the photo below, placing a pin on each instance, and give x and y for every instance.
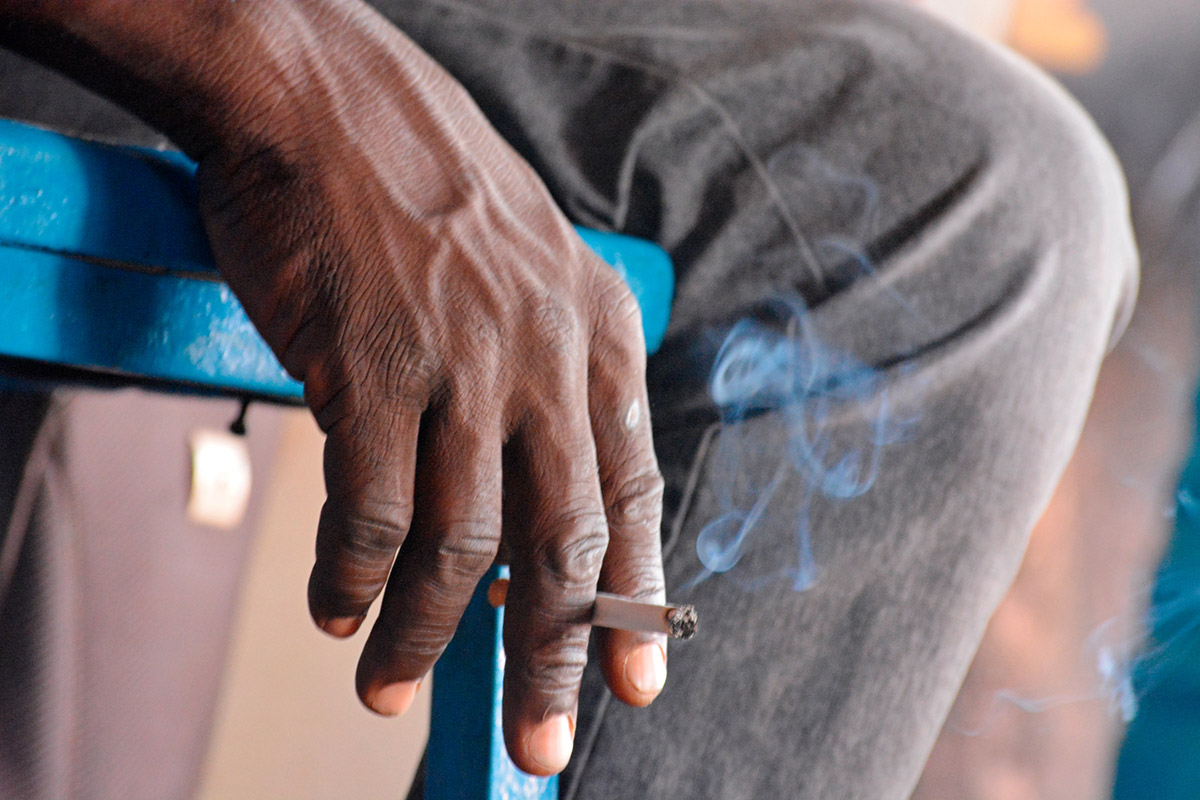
(106, 277)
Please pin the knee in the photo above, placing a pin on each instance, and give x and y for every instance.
(1055, 194)
(1010, 206)
(966, 147)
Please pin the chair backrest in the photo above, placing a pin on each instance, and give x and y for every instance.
(106, 274)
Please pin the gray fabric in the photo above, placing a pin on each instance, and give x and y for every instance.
(952, 222)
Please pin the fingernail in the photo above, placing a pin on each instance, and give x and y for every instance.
(393, 699)
(340, 627)
(646, 668)
(551, 742)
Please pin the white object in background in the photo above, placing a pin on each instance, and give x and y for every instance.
(220, 479)
(990, 18)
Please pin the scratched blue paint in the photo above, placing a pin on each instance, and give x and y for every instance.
(104, 264)
(125, 204)
(60, 310)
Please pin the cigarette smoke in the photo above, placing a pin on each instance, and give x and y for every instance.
(1126, 658)
(775, 368)
(779, 366)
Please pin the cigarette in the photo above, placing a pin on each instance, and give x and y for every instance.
(622, 613)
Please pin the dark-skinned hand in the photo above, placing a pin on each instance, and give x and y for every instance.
(479, 373)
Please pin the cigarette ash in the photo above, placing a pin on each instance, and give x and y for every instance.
(682, 622)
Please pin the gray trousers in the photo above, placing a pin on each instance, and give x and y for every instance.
(932, 242)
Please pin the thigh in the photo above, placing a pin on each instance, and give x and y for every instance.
(901, 258)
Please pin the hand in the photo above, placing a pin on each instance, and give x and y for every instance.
(478, 372)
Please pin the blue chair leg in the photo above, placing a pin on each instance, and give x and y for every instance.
(466, 756)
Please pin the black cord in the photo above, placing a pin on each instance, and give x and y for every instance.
(238, 426)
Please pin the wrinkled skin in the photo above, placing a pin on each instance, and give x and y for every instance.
(478, 372)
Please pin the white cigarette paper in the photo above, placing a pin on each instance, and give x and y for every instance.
(623, 613)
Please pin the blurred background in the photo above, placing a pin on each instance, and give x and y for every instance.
(1065, 664)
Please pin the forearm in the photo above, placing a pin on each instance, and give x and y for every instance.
(236, 75)
(170, 62)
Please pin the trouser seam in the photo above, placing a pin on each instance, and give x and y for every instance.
(689, 490)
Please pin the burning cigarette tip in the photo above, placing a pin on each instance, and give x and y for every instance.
(682, 622)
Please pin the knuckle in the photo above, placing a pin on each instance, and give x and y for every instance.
(617, 309)
(637, 501)
(618, 340)
(465, 556)
(422, 643)
(348, 596)
(644, 581)
(344, 591)
(371, 364)
(555, 667)
(639, 577)
(405, 368)
(372, 537)
(571, 559)
(557, 324)
(479, 396)
(623, 309)
(362, 538)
